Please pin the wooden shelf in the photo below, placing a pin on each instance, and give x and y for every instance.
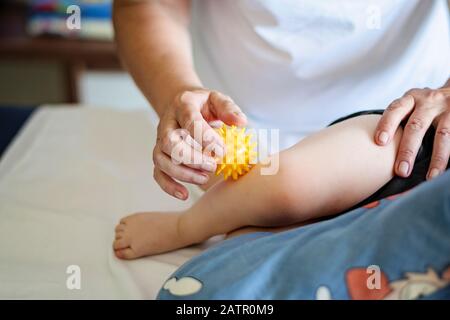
(76, 55)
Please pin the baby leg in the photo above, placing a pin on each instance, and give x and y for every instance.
(323, 174)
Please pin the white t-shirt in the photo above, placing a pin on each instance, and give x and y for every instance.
(297, 65)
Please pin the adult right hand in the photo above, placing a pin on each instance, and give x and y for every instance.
(185, 135)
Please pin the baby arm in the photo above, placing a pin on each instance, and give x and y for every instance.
(322, 175)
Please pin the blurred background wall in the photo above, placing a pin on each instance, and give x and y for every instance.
(41, 62)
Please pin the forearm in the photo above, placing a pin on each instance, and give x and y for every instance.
(324, 174)
(154, 45)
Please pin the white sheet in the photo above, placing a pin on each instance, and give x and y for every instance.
(65, 181)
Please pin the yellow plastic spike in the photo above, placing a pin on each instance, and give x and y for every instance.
(240, 155)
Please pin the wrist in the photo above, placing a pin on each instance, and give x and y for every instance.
(169, 87)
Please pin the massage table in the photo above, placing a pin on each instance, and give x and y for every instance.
(67, 176)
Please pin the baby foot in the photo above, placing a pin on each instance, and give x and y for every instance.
(148, 233)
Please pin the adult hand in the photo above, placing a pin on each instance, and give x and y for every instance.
(422, 108)
(185, 134)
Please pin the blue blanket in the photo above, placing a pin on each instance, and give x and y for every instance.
(395, 248)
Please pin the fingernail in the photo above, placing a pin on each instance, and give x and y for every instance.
(383, 137)
(209, 166)
(239, 114)
(433, 173)
(179, 195)
(403, 168)
(201, 179)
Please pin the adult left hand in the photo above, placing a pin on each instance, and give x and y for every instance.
(423, 108)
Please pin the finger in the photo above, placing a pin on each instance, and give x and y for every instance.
(392, 116)
(169, 185)
(166, 126)
(216, 124)
(192, 120)
(441, 147)
(182, 149)
(412, 137)
(224, 108)
(178, 171)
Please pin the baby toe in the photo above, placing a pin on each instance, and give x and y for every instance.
(126, 254)
(119, 235)
(120, 227)
(124, 220)
(121, 244)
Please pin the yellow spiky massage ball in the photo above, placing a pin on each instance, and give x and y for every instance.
(240, 155)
